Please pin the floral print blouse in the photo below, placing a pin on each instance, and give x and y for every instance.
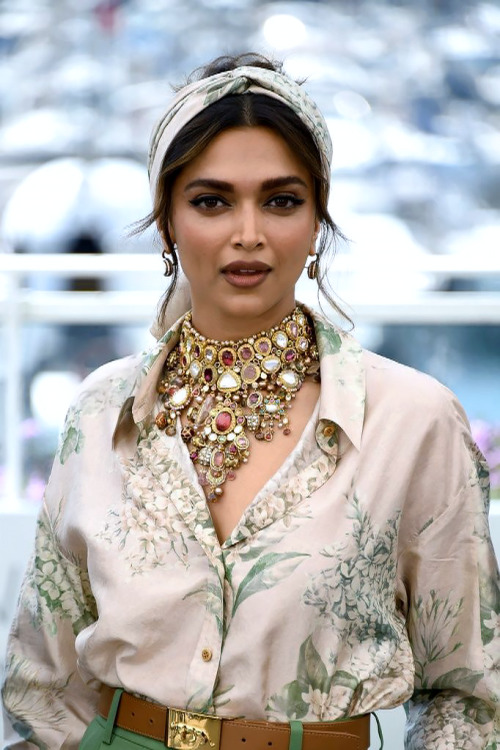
(360, 577)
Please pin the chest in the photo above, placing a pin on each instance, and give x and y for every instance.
(265, 459)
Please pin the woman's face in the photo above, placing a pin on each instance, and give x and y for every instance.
(244, 219)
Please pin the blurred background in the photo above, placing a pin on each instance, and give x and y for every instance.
(411, 92)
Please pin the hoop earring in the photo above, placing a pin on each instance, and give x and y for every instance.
(169, 266)
(312, 269)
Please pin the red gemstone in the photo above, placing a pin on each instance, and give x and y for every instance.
(193, 455)
(286, 431)
(223, 421)
(289, 355)
(231, 475)
(233, 449)
(208, 375)
(227, 358)
(196, 351)
(263, 347)
(253, 399)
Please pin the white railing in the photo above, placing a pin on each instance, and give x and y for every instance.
(19, 306)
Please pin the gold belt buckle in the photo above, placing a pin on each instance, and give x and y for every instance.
(189, 731)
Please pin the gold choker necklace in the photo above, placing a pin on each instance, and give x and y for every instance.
(230, 388)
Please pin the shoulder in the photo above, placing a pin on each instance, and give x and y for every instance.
(118, 376)
(96, 406)
(106, 389)
(413, 404)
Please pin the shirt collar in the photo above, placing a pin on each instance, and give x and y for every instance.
(342, 399)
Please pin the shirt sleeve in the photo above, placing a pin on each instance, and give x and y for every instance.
(46, 703)
(452, 599)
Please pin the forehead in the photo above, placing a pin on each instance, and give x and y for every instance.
(256, 153)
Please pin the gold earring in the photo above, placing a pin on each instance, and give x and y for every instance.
(312, 269)
(169, 266)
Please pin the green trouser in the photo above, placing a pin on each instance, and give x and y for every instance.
(102, 734)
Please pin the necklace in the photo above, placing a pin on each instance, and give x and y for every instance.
(231, 388)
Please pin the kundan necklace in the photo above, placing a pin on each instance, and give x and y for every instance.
(231, 388)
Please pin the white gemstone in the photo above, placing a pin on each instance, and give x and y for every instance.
(180, 397)
(194, 369)
(212, 437)
(228, 381)
(281, 339)
(271, 408)
(288, 377)
(238, 429)
(230, 436)
(271, 364)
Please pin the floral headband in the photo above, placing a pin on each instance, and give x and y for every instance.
(195, 97)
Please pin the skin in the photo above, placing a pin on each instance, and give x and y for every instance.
(227, 206)
(246, 219)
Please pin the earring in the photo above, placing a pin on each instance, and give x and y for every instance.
(312, 269)
(169, 266)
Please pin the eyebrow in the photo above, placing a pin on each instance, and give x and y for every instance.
(271, 184)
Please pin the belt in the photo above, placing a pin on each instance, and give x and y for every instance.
(181, 729)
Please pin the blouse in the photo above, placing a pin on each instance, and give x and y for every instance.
(360, 577)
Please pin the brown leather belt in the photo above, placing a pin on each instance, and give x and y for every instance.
(186, 730)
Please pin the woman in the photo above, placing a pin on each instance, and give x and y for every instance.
(258, 519)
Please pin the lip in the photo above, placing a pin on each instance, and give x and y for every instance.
(238, 266)
(245, 275)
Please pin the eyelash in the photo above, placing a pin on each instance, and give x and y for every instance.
(202, 201)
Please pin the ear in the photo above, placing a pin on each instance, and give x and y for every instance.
(171, 232)
(317, 227)
(162, 234)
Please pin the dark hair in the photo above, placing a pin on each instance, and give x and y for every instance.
(234, 111)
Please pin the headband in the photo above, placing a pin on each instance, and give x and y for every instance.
(197, 96)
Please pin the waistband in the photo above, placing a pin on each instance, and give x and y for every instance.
(181, 729)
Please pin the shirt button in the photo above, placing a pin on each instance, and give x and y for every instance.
(206, 654)
(328, 430)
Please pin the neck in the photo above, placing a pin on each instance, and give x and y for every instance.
(235, 327)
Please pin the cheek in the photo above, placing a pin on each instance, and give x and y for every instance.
(197, 234)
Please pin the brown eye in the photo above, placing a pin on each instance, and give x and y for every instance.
(285, 201)
(209, 202)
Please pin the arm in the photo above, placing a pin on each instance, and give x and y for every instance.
(453, 615)
(46, 703)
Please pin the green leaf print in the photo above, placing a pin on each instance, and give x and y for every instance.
(271, 569)
(71, 442)
(477, 710)
(211, 595)
(327, 339)
(289, 702)
(310, 694)
(461, 678)
(311, 670)
(345, 679)
(433, 624)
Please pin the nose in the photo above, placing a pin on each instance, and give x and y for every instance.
(247, 231)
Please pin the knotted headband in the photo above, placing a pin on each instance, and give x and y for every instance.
(195, 97)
